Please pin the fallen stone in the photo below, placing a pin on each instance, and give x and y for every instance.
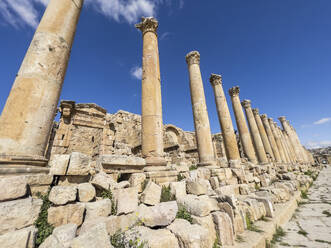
(122, 185)
(103, 181)
(71, 213)
(39, 179)
(226, 207)
(224, 228)
(197, 187)
(59, 164)
(100, 208)
(126, 200)
(61, 195)
(178, 189)
(214, 182)
(120, 223)
(79, 164)
(86, 192)
(21, 238)
(208, 223)
(152, 194)
(195, 205)
(51, 242)
(65, 233)
(12, 188)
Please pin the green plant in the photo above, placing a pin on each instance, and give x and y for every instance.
(184, 214)
(166, 194)
(108, 194)
(44, 228)
(327, 213)
(239, 239)
(216, 244)
(119, 240)
(250, 225)
(257, 186)
(304, 194)
(278, 235)
(180, 177)
(193, 167)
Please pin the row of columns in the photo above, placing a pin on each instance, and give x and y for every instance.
(26, 121)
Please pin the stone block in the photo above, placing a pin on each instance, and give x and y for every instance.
(178, 189)
(122, 185)
(137, 180)
(195, 205)
(214, 182)
(21, 238)
(39, 179)
(79, 164)
(151, 195)
(59, 164)
(61, 195)
(224, 228)
(96, 209)
(86, 192)
(12, 188)
(71, 213)
(126, 200)
(196, 187)
(103, 181)
(65, 233)
(51, 242)
(208, 223)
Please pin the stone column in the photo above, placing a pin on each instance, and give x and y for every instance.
(302, 149)
(244, 134)
(292, 138)
(271, 138)
(200, 114)
(224, 117)
(288, 160)
(27, 118)
(287, 149)
(263, 134)
(257, 141)
(278, 142)
(290, 147)
(151, 113)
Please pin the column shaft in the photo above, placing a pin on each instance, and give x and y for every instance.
(287, 156)
(28, 115)
(244, 134)
(277, 139)
(200, 114)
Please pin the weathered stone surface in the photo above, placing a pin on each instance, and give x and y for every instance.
(226, 207)
(197, 187)
(22, 238)
(244, 189)
(122, 222)
(214, 182)
(100, 208)
(267, 206)
(152, 194)
(126, 200)
(12, 188)
(65, 233)
(96, 237)
(224, 227)
(228, 190)
(86, 192)
(122, 185)
(161, 238)
(103, 181)
(51, 242)
(190, 236)
(208, 223)
(137, 180)
(71, 213)
(195, 205)
(39, 179)
(178, 189)
(161, 214)
(18, 214)
(59, 164)
(79, 164)
(61, 195)
(123, 160)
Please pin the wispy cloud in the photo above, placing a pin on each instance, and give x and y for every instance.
(322, 121)
(165, 35)
(136, 72)
(318, 144)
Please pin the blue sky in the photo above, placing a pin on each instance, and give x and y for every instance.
(277, 51)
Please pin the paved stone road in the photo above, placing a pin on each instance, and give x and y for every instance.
(311, 223)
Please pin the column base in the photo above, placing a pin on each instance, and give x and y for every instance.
(235, 163)
(155, 161)
(211, 164)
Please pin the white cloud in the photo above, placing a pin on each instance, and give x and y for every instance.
(322, 121)
(165, 35)
(318, 144)
(137, 72)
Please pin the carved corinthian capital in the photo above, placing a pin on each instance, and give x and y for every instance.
(234, 91)
(255, 111)
(282, 118)
(215, 79)
(193, 58)
(246, 103)
(264, 117)
(271, 121)
(148, 24)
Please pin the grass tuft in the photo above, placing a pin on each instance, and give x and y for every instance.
(184, 214)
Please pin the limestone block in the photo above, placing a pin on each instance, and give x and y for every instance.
(126, 200)
(71, 213)
(196, 187)
(86, 192)
(21, 238)
(79, 164)
(161, 214)
(239, 225)
(224, 228)
(12, 187)
(190, 236)
(59, 164)
(227, 190)
(61, 195)
(240, 174)
(152, 194)
(195, 205)
(244, 189)
(18, 214)
(123, 160)
(36, 190)
(226, 207)
(178, 189)
(100, 208)
(39, 179)
(212, 202)
(122, 222)
(122, 185)
(96, 237)
(208, 223)
(137, 180)
(103, 181)
(161, 238)
(65, 233)
(214, 182)
(51, 242)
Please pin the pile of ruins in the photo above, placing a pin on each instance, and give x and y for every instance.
(225, 182)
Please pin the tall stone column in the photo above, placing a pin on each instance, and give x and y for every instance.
(200, 114)
(287, 156)
(287, 149)
(244, 134)
(27, 118)
(257, 141)
(151, 113)
(224, 117)
(292, 138)
(302, 149)
(263, 134)
(271, 138)
(290, 147)
(277, 139)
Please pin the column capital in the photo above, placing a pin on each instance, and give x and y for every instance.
(193, 57)
(282, 118)
(148, 24)
(234, 91)
(264, 117)
(271, 120)
(246, 103)
(215, 79)
(255, 111)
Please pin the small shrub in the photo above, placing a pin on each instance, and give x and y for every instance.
(257, 186)
(184, 214)
(278, 235)
(166, 194)
(304, 194)
(108, 194)
(44, 228)
(180, 177)
(118, 240)
(327, 213)
(193, 167)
